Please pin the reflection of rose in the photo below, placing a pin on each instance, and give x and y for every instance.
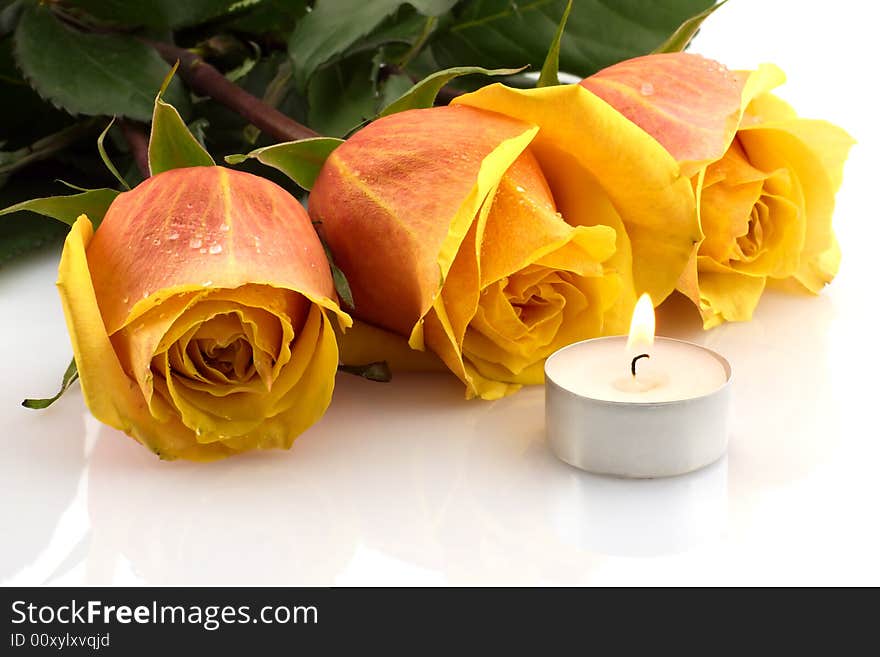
(279, 522)
(198, 314)
(765, 178)
(496, 237)
(39, 483)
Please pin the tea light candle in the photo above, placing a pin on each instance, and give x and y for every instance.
(636, 406)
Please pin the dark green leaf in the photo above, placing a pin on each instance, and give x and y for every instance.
(500, 33)
(299, 160)
(92, 203)
(46, 147)
(342, 96)
(106, 158)
(423, 93)
(682, 37)
(335, 25)
(550, 70)
(88, 73)
(269, 16)
(378, 371)
(70, 375)
(159, 13)
(172, 145)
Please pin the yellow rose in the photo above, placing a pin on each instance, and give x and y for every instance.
(499, 229)
(198, 314)
(765, 179)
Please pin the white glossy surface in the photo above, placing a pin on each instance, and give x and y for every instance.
(410, 484)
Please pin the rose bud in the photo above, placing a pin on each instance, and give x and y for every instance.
(766, 179)
(198, 313)
(493, 238)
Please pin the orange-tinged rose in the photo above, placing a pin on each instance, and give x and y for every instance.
(765, 179)
(198, 313)
(492, 233)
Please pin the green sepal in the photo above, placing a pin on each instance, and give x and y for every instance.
(70, 375)
(172, 145)
(550, 70)
(299, 160)
(423, 93)
(378, 371)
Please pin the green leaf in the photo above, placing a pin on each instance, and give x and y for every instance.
(88, 73)
(269, 17)
(172, 145)
(500, 33)
(92, 203)
(682, 37)
(334, 25)
(106, 158)
(550, 71)
(299, 160)
(423, 93)
(44, 148)
(161, 13)
(378, 371)
(342, 96)
(70, 375)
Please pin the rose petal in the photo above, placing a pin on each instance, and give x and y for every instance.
(111, 396)
(603, 169)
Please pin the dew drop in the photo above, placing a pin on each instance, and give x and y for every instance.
(157, 242)
(224, 228)
(207, 283)
(173, 236)
(647, 89)
(195, 243)
(520, 189)
(215, 249)
(125, 300)
(203, 250)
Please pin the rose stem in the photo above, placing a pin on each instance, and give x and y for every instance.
(206, 80)
(138, 144)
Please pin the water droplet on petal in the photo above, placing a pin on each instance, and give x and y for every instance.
(195, 243)
(157, 242)
(173, 236)
(203, 250)
(647, 89)
(125, 300)
(207, 283)
(224, 228)
(520, 189)
(215, 249)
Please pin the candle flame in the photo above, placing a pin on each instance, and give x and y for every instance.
(641, 328)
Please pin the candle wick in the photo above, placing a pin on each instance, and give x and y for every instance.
(633, 365)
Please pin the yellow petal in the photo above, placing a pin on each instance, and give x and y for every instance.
(365, 343)
(727, 295)
(603, 169)
(814, 152)
(111, 396)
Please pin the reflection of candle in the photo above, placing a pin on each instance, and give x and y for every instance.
(637, 406)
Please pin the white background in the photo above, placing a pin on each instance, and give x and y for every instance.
(410, 484)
